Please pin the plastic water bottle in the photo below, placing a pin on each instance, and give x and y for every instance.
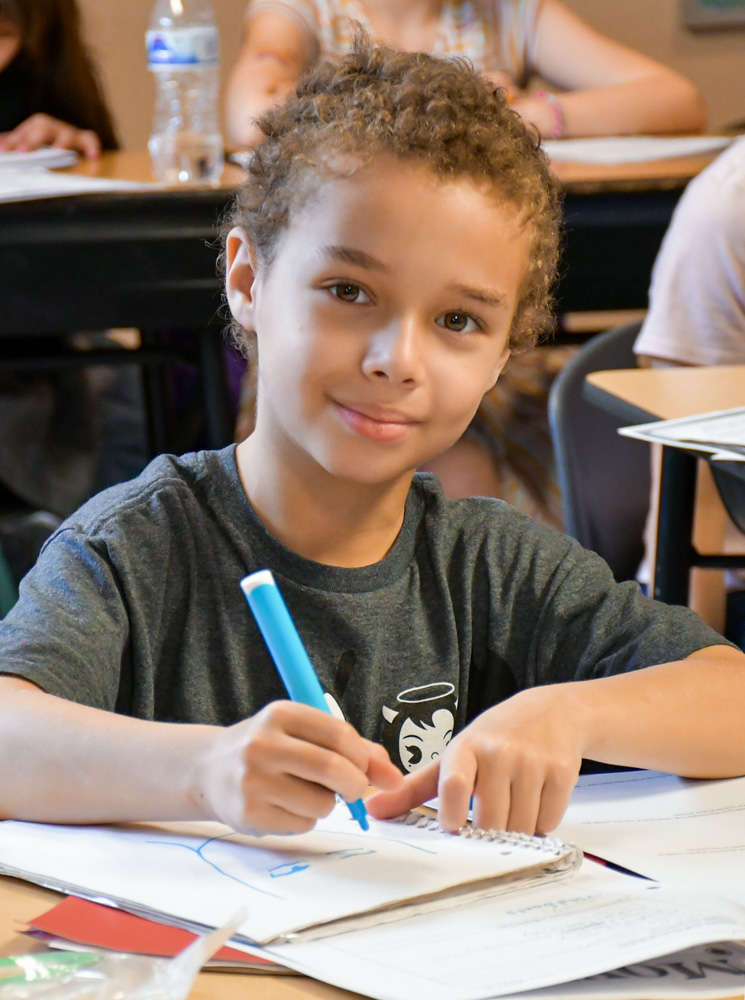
(182, 52)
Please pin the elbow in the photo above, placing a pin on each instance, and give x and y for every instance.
(686, 109)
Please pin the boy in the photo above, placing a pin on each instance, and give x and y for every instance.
(397, 235)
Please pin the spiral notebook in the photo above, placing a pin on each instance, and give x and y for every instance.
(334, 878)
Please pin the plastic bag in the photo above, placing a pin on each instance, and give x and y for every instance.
(95, 975)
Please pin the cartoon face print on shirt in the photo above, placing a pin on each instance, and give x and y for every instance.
(421, 725)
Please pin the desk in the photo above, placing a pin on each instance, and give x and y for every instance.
(637, 396)
(615, 218)
(142, 259)
(21, 901)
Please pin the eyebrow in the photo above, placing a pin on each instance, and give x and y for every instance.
(485, 296)
(348, 255)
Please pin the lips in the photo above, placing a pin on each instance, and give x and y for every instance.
(376, 423)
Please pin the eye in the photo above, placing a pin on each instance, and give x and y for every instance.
(348, 292)
(458, 322)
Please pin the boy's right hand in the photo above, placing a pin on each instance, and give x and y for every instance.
(279, 771)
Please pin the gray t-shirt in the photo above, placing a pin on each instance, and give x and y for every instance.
(135, 606)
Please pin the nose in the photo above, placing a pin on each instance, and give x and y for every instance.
(395, 353)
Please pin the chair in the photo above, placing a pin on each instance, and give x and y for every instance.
(604, 478)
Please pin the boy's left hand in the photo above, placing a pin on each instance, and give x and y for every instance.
(520, 761)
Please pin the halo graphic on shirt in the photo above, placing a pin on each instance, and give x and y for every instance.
(422, 724)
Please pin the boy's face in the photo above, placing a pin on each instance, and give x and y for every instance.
(382, 320)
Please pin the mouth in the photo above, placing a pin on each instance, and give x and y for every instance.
(376, 423)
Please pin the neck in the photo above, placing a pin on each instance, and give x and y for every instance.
(318, 516)
(409, 26)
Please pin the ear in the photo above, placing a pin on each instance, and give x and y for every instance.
(241, 268)
(497, 368)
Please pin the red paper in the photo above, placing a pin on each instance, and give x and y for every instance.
(99, 926)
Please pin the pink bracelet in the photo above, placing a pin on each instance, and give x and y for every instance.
(553, 101)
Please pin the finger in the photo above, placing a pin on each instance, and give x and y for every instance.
(300, 798)
(381, 772)
(491, 798)
(455, 788)
(63, 137)
(89, 144)
(324, 768)
(557, 792)
(525, 800)
(413, 790)
(318, 727)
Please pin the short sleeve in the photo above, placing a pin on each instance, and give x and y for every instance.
(68, 631)
(697, 295)
(591, 626)
(303, 12)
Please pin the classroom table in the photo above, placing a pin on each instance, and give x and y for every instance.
(21, 901)
(639, 395)
(615, 217)
(143, 259)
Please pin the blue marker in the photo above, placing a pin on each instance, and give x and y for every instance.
(288, 652)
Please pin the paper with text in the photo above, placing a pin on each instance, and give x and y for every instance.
(720, 434)
(685, 833)
(707, 972)
(594, 922)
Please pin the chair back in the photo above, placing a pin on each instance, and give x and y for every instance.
(604, 478)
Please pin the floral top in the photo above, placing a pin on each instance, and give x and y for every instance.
(496, 35)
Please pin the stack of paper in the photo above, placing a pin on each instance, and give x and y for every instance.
(720, 434)
(612, 150)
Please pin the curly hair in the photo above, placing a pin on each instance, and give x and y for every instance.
(435, 111)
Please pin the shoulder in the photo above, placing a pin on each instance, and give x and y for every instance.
(170, 490)
(716, 198)
(303, 12)
(489, 531)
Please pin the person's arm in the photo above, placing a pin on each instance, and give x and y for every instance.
(276, 51)
(43, 130)
(610, 88)
(521, 758)
(277, 771)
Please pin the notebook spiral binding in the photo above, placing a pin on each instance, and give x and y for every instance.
(550, 845)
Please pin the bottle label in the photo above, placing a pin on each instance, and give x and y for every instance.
(182, 48)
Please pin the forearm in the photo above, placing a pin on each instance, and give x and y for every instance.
(257, 83)
(68, 763)
(684, 717)
(669, 103)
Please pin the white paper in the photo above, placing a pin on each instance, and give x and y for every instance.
(631, 148)
(44, 157)
(707, 972)
(591, 923)
(25, 185)
(202, 873)
(719, 433)
(682, 832)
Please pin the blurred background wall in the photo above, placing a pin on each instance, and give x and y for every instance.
(714, 59)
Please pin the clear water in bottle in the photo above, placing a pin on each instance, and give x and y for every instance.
(182, 46)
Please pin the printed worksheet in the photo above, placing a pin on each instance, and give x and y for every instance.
(685, 833)
(593, 922)
(720, 433)
(708, 972)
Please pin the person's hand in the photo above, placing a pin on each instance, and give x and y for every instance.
(278, 772)
(541, 114)
(43, 130)
(519, 760)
